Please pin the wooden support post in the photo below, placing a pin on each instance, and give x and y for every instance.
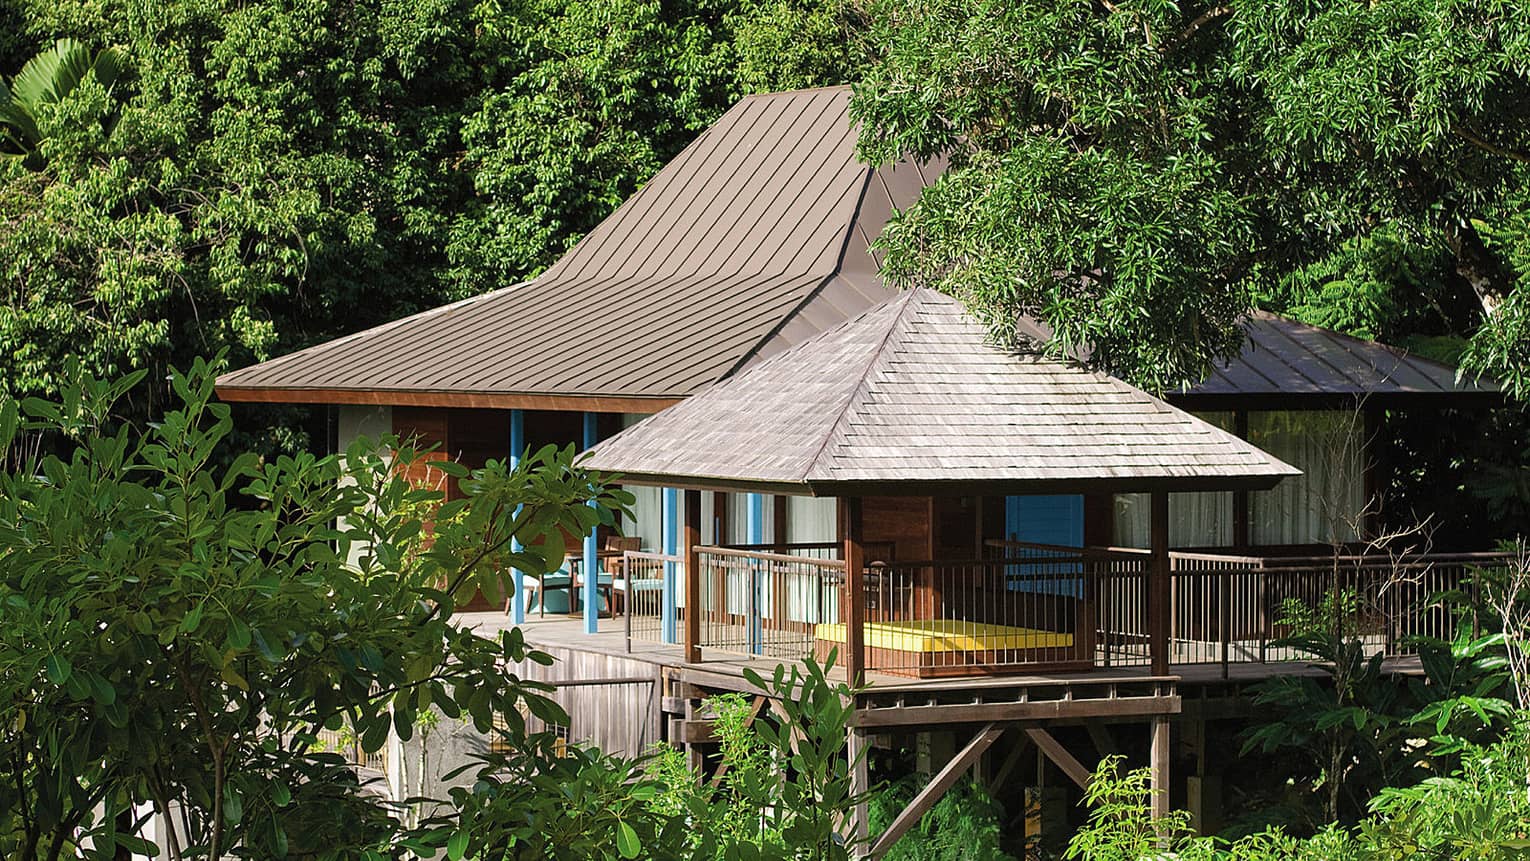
(1159, 586)
(857, 748)
(936, 788)
(1241, 529)
(780, 516)
(855, 571)
(692, 538)
(1159, 762)
(1060, 755)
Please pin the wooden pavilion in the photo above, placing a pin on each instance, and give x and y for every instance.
(909, 400)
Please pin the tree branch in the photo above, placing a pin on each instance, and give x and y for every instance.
(1202, 20)
(1483, 144)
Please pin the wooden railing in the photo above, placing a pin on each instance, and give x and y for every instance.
(767, 604)
(1228, 609)
(651, 596)
(1035, 607)
(875, 550)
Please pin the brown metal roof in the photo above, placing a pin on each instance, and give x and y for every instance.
(910, 397)
(753, 238)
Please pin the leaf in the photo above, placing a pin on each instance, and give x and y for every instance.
(627, 840)
(238, 634)
(231, 676)
(58, 669)
(456, 847)
(192, 620)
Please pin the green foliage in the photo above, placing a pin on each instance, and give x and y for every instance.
(782, 791)
(177, 634)
(544, 799)
(283, 173)
(1479, 811)
(1357, 729)
(1134, 174)
(42, 84)
(964, 825)
(1121, 826)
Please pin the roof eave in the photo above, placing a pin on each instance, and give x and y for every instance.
(956, 487)
(599, 403)
(1287, 401)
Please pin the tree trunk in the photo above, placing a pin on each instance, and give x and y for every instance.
(1477, 265)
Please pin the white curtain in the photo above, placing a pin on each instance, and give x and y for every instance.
(647, 520)
(647, 517)
(1200, 519)
(811, 520)
(1326, 502)
(738, 518)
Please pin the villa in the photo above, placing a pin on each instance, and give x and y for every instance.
(1010, 550)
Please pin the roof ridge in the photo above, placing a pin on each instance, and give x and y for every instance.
(797, 92)
(834, 272)
(893, 326)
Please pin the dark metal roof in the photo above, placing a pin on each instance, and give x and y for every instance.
(1284, 359)
(752, 239)
(910, 397)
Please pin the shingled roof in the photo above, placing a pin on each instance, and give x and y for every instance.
(756, 237)
(910, 397)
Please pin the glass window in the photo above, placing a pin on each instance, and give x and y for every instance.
(1199, 519)
(1326, 503)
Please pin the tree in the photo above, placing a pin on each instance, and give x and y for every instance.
(285, 173)
(46, 80)
(169, 649)
(1134, 175)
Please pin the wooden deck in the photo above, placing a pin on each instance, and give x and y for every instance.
(893, 702)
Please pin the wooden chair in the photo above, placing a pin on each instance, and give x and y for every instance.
(616, 546)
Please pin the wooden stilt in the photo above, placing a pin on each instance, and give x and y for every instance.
(1159, 761)
(857, 748)
(935, 789)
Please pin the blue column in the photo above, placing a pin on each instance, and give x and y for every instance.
(755, 534)
(669, 528)
(755, 531)
(517, 448)
(591, 573)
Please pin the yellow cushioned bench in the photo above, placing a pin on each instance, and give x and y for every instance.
(947, 635)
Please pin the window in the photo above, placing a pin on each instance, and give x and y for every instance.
(1326, 502)
(1201, 519)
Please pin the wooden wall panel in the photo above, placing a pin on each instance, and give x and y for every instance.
(954, 522)
(616, 706)
(903, 521)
